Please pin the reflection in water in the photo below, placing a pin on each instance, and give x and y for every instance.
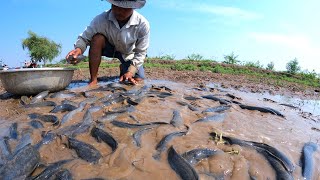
(159, 101)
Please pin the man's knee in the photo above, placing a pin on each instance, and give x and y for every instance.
(98, 40)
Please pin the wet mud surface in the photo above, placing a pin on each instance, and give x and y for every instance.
(237, 82)
(152, 123)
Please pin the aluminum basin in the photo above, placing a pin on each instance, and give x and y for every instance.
(32, 81)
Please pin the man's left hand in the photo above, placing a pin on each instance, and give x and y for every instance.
(128, 76)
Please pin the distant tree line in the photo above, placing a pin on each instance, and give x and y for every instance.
(44, 49)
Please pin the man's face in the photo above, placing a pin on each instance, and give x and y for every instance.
(120, 13)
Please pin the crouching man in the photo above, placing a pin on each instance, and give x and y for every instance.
(120, 32)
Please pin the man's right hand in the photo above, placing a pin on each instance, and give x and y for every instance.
(74, 53)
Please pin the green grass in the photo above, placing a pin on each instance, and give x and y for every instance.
(253, 71)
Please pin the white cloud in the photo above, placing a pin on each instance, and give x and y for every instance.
(227, 11)
(297, 42)
(209, 8)
(298, 45)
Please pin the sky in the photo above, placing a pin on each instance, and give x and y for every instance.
(255, 30)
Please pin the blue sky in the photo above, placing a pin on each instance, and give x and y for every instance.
(264, 31)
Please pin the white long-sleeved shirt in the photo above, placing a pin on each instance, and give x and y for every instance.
(132, 40)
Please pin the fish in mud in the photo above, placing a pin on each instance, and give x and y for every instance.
(161, 146)
(213, 118)
(63, 174)
(67, 117)
(214, 98)
(181, 166)
(39, 97)
(306, 159)
(51, 170)
(74, 130)
(264, 149)
(94, 109)
(21, 165)
(123, 109)
(192, 108)
(196, 155)
(285, 161)
(191, 98)
(128, 125)
(66, 101)
(79, 128)
(47, 138)
(41, 104)
(85, 151)
(112, 99)
(63, 95)
(36, 124)
(5, 150)
(109, 117)
(281, 172)
(25, 140)
(45, 118)
(137, 135)
(101, 135)
(63, 108)
(262, 109)
(217, 109)
(13, 131)
(159, 94)
(176, 120)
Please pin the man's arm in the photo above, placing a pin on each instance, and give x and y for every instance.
(140, 50)
(84, 38)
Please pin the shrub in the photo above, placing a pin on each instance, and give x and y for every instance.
(270, 66)
(231, 59)
(253, 64)
(167, 57)
(293, 66)
(194, 57)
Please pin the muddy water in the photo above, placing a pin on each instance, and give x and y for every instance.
(288, 135)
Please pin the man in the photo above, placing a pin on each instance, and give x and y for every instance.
(119, 33)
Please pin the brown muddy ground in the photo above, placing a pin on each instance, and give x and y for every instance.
(288, 134)
(238, 82)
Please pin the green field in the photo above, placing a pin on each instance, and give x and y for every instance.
(253, 72)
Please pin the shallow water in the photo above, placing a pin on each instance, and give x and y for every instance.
(288, 135)
(309, 106)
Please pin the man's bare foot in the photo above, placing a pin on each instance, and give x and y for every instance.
(93, 83)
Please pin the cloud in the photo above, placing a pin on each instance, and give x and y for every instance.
(227, 11)
(298, 45)
(297, 42)
(208, 8)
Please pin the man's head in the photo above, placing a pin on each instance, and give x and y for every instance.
(121, 14)
(123, 9)
(131, 4)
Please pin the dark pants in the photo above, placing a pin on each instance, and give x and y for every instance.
(109, 51)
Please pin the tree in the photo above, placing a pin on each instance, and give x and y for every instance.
(293, 66)
(194, 57)
(231, 59)
(41, 48)
(253, 64)
(270, 66)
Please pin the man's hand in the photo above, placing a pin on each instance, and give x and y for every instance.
(74, 53)
(128, 76)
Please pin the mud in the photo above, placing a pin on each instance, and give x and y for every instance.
(129, 161)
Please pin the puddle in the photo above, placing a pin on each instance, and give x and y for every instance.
(308, 106)
(158, 104)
